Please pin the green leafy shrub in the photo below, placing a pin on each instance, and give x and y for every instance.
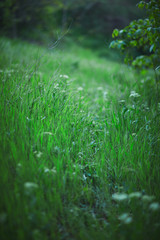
(142, 35)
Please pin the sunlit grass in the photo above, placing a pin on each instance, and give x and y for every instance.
(79, 146)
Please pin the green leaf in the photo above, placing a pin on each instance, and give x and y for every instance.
(112, 44)
(142, 34)
(138, 32)
(115, 33)
(141, 4)
(151, 48)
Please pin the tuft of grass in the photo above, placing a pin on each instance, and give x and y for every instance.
(79, 139)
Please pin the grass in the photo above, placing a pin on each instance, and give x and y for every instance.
(79, 146)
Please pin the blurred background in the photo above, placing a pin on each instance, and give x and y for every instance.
(85, 21)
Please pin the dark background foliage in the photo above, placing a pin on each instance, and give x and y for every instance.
(40, 19)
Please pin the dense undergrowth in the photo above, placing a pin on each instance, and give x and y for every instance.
(79, 146)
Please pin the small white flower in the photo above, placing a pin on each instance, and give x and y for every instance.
(154, 206)
(53, 170)
(28, 119)
(80, 89)
(19, 165)
(134, 94)
(84, 177)
(48, 133)
(56, 86)
(105, 95)
(122, 101)
(125, 218)
(46, 170)
(30, 187)
(9, 71)
(147, 198)
(38, 154)
(119, 196)
(133, 134)
(64, 76)
(135, 195)
(99, 88)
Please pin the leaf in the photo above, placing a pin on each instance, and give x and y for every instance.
(112, 44)
(141, 4)
(138, 32)
(151, 48)
(157, 68)
(115, 33)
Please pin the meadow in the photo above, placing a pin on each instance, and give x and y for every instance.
(79, 145)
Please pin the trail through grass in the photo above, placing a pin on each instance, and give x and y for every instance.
(79, 146)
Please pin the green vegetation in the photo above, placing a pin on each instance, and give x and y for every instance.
(41, 20)
(142, 34)
(79, 146)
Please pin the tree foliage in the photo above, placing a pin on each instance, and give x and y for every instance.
(26, 18)
(142, 35)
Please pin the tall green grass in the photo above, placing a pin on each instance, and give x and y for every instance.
(79, 146)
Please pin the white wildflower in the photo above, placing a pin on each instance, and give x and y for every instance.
(9, 71)
(99, 88)
(147, 198)
(64, 76)
(19, 165)
(28, 119)
(46, 170)
(105, 94)
(119, 196)
(135, 195)
(53, 170)
(30, 187)
(84, 177)
(48, 133)
(134, 94)
(122, 101)
(80, 89)
(154, 206)
(38, 154)
(134, 134)
(56, 86)
(125, 218)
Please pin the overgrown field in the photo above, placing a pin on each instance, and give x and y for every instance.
(79, 146)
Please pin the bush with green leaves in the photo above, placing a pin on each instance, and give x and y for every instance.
(142, 35)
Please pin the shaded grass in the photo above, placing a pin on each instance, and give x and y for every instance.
(76, 140)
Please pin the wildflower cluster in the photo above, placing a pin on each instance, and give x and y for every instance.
(145, 204)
